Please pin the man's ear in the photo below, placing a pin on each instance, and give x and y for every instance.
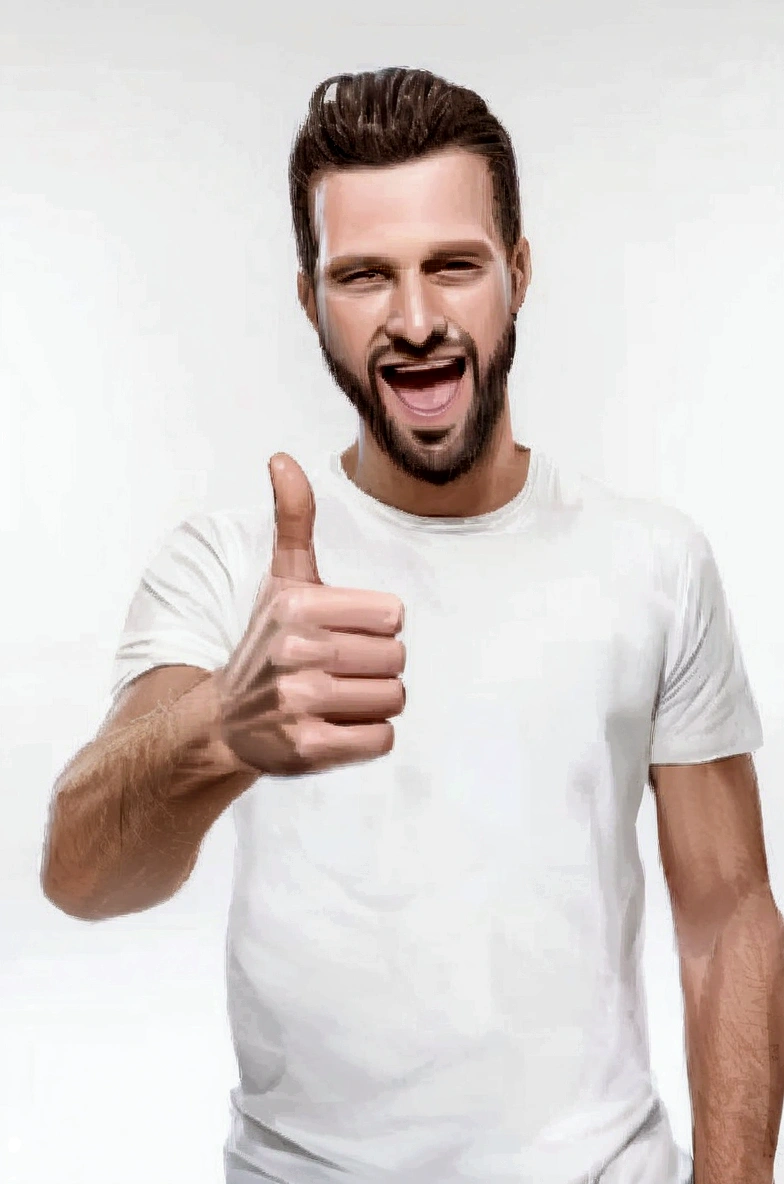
(520, 272)
(307, 298)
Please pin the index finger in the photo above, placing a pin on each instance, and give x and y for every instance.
(346, 610)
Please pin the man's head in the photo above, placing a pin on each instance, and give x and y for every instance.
(406, 211)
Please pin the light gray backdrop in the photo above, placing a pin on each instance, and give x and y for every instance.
(153, 357)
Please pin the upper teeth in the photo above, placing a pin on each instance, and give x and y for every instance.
(423, 365)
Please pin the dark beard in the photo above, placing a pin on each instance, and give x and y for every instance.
(487, 406)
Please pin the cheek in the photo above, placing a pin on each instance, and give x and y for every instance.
(348, 331)
(483, 310)
(485, 322)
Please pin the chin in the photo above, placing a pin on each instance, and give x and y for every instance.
(434, 463)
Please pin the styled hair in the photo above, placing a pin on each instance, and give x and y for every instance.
(390, 117)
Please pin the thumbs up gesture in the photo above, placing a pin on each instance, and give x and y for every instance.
(315, 679)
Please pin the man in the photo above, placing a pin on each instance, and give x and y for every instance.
(435, 931)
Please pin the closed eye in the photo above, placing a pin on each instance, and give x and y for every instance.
(450, 265)
(359, 275)
(447, 270)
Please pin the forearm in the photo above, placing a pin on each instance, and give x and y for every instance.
(132, 808)
(734, 1016)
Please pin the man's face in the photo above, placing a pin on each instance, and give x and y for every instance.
(414, 305)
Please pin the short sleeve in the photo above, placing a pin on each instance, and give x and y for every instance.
(705, 706)
(183, 611)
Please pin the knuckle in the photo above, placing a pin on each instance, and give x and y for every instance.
(290, 604)
(288, 651)
(291, 699)
(307, 741)
(290, 760)
(298, 693)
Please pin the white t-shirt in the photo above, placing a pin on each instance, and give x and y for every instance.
(433, 958)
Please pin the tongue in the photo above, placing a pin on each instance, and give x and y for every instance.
(429, 396)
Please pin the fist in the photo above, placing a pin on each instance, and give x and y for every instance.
(315, 680)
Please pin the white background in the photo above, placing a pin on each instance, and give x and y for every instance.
(154, 356)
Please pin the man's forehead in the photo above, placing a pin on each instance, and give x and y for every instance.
(448, 194)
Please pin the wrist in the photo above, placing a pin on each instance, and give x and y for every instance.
(199, 722)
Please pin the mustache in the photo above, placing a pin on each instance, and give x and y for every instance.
(404, 350)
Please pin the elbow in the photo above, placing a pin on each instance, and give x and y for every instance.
(83, 908)
(82, 904)
(62, 890)
(73, 909)
(65, 900)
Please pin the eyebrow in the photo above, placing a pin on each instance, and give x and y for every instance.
(343, 264)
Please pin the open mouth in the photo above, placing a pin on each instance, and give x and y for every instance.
(426, 388)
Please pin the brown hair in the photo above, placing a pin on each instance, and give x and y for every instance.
(391, 117)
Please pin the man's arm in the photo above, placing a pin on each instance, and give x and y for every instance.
(130, 811)
(731, 942)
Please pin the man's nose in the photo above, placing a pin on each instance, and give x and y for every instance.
(412, 314)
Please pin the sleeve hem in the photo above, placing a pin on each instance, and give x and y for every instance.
(697, 755)
(125, 670)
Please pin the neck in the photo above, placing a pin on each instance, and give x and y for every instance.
(493, 481)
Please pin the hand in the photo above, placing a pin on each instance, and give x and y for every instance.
(314, 681)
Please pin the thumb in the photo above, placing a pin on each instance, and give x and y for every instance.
(293, 557)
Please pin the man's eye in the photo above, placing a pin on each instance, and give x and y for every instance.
(454, 266)
(360, 275)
